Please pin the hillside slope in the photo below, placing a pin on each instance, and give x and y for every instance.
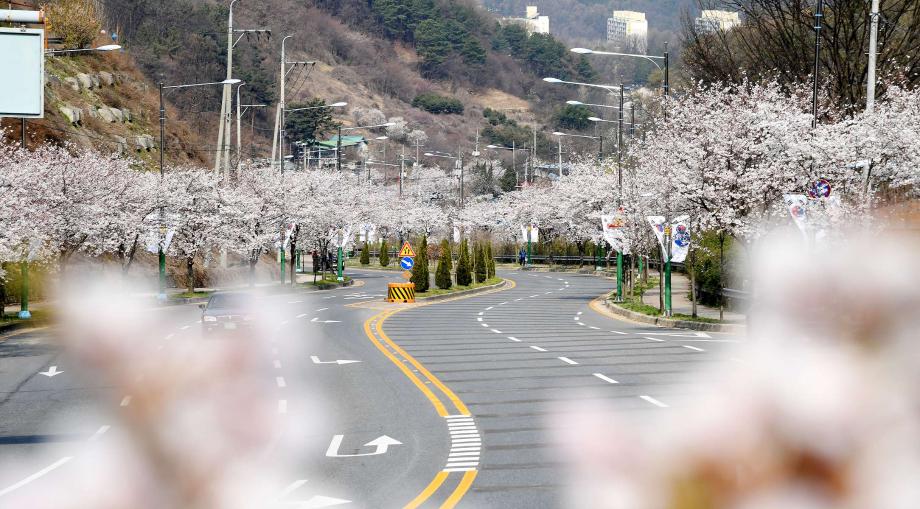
(364, 56)
(102, 101)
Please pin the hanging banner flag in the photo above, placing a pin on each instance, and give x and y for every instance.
(530, 233)
(368, 233)
(797, 204)
(456, 234)
(680, 241)
(156, 241)
(615, 231)
(657, 223)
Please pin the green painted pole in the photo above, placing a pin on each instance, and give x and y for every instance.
(620, 276)
(667, 288)
(341, 265)
(529, 261)
(24, 313)
(282, 265)
(162, 262)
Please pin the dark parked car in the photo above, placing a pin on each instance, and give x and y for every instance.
(228, 313)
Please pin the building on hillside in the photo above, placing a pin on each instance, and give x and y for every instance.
(629, 31)
(713, 21)
(532, 21)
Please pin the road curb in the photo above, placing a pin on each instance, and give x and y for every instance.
(672, 323)
(318, 288)
(471, 291)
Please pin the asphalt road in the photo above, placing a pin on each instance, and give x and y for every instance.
(452, 403)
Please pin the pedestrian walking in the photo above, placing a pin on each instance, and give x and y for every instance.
(316, 267)
(522, 257)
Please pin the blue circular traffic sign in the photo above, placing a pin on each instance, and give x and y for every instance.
(407, 263)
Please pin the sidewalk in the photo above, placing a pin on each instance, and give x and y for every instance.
(680, 300)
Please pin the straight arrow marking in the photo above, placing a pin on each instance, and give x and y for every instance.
(316, 360)
(52, 371)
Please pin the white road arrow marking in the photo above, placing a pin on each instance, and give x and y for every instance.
(52, 371)
(687, 334)
(317, 320)
(316, 360)
(381, 444)
(318, 501)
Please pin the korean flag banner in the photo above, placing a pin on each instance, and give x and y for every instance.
(797, 204)
(680, 241)
(657, 224)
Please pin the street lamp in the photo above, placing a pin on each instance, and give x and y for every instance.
(107, 47)
(513, 148)
(651, 58)
(162, 256)
(600, 149)
(445, 155)
(333, 105)
(579, 103)
(557, 80)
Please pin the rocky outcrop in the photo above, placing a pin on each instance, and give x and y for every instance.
(107, 78)
(86, 82)
(73, 115)
(73, 83)
(144, 142)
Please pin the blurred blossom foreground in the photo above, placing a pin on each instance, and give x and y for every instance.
(821, 409)
(200, 425)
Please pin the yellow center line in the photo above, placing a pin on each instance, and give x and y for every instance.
(461, 490)
(428, 491)
(442, 411)
(377, 321)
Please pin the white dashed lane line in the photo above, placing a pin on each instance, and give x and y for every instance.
(280, 381)
(125, 401)
(654, 401)
(537, 348)
(512, 338)
(567, 360)
(282, 406)
(485, 325)
(693, 348)
(277, 364)
(496, 331)
(657, 340)
(606, 378)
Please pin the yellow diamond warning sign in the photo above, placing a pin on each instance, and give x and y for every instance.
(406, 250)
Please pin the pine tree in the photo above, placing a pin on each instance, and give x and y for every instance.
(442, 276)
(490, 261)
(464, 278)
(481, 270)
(384, 255)
(420, 274)
(365, 255)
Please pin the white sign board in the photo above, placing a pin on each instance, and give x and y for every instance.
(22, 80)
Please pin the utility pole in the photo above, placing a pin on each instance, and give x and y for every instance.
(279, 134)
(620, 142)
(517, 175)
(819, 17)
(224, 132)
(402, 168)
(161, 255)
(667, 64)
(873, 55)
(460, 161)
(560, 157)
